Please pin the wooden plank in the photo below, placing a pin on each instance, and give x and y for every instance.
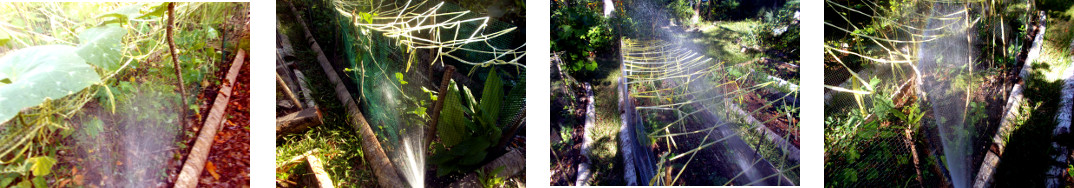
(318, 171)
(195, 161)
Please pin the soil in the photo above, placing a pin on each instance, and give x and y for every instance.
(565, 160)
(119, 155)
(229, 158)
(777, 68)
(756, 104)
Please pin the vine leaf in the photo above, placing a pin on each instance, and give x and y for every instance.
(100, 46)
(39, 73)
(42, 166)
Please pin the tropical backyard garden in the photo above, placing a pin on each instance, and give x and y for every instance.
(948, 93)
(83, 85)
(400, 93)
(679, 92)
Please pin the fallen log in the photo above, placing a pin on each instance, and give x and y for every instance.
(298, 122)
(513, 162)
(195, 161)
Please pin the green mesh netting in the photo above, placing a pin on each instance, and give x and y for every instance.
(389, 43)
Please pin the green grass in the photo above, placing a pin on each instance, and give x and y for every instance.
(604, 154)
(723, 39)
(1055, 52)
(1028, 155)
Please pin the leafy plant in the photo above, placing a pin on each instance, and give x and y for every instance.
(468, 133)
(40, 73)
(579, 32)
(491, 179)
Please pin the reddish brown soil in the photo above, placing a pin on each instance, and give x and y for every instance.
(230, 153)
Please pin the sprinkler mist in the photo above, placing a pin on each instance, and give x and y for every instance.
(408, 154)
(412, 161)
(945, 59)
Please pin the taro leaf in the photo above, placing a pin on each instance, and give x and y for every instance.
(100, 46)
(452, 123)
(39, 73)
(491, 98)
(42, 165)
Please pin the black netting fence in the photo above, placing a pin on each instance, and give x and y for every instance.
(914, 91)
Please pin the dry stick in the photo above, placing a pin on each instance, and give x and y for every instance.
(387, 175)
(175, 61)
(287, 91)
(439, 104)
(199, 154)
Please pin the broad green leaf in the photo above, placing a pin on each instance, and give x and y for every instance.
(156, 11)
(25, 184)
(39, 182)
(492, 97)
(471, 101)
(591, 66)
(514, 102)
(39, 73)
(399, 77)
(122, 14)
(42, 165)
(367, 17)
(452, 124)
(100, 46)
(211, 33)
(4, 37)
(6, 180)
(117, 19)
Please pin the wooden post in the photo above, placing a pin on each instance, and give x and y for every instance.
(448, 71)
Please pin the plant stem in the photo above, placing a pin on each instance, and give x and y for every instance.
(175, 61)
